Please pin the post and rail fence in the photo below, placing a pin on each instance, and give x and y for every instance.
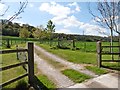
(100, 53)
(30, 62)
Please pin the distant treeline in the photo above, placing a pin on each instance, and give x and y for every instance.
(88, 38)
(15, 29)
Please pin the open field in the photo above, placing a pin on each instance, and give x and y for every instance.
(79, 45)
(80, 57)
(85, 54)
(14, 41)
(9, 59)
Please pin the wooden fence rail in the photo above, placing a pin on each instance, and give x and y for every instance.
(13, 51)
(100, 53)
(30, 63)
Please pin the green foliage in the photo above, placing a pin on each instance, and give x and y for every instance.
(73, 56)
(24, 33)
(46, 81)
(50, 29)
(13, 29)
(40, 33)
(10, 28)
(97, 70)
(76, 76)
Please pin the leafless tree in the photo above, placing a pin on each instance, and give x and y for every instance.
(16, 14)
(108, 16)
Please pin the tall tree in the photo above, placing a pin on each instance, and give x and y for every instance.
(24, 33)
(50, 30)
(108, 16)
(39, 32)
(15, 15)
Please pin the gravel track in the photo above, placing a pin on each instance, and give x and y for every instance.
(53, 74)
(77, 67)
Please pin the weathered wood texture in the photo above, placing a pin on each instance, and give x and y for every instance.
(12, 66)
(100, 53)
(99, 50)
(30, 63)
(12, 51)
(13, 80)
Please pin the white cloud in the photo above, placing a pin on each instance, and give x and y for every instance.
(77, 8)
(61, 13)
(55, 9)
(71, 22)
(3, 8)
(93, 29)
(31, 5)
(67, 31)
(67, 22)
(20, 22)
(59, 19)
(62, 16)
(5, 17)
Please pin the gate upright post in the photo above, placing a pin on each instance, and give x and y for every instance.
(30, 63)
(99, 57)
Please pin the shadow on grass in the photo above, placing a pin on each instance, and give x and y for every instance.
(112, 68)
(23, 85)
(38, 85)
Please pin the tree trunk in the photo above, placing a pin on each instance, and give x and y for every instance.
(119, 45)
(8, 43)
(111, 44)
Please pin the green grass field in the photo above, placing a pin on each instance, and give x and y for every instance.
(75, 76)
(97, 70)
(9, 59)
(14, 41)
(46, 81)
(80, 56)
(86, 54)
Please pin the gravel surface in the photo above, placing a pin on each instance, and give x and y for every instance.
(53, 74)
(77, 67)
(104, 81)
(61, 81)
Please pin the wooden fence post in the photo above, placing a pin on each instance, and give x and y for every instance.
(99, 54)
(73, 43)
(8, 43)
(17, 52)
(30, 63)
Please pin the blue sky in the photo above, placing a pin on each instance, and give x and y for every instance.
(69, 17)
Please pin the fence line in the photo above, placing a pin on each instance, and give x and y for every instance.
(100, 53)
(30, 63)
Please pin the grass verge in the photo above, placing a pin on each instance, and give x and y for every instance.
(9, 59)
(112, 65)
(49, 60)
(75, 76)
(81, 57)
(96, 70)
(71, 55)
(49, 84)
